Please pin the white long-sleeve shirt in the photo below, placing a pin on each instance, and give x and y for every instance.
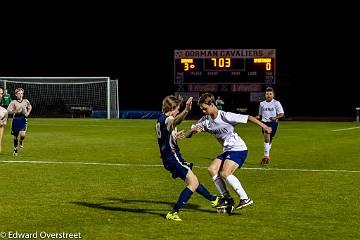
(222, 128)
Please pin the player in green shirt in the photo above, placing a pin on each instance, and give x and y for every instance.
(6, 99)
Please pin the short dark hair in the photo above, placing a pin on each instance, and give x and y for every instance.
(269, 89)
(206, 98)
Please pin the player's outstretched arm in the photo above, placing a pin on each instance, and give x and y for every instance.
(194, 129)
(181, 116)
(262, 125)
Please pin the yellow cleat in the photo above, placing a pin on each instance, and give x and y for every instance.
(173, 216)
(215, 203)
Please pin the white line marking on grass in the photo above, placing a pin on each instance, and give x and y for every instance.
(159, 165)
(344, 129)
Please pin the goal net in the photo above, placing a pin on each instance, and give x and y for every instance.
(67, 96)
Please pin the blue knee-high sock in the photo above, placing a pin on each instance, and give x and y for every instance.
(15, 142)
(183, 198)
(201, 189)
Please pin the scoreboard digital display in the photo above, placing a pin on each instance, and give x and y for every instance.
(225, 66)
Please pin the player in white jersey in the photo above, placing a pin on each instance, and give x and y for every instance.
(221, 125)
(20, 108)
(270, 111)
(3, 118)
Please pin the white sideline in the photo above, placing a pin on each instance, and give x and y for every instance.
(344, 129)
(158, 165)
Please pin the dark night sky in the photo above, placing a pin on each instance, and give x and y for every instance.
(317, 47)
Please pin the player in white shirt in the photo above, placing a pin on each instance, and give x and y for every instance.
(20, 108)
(270, 111)
(221, 125)
(3, 118)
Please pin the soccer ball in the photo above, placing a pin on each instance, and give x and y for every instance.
(221, 210)
(228, 209)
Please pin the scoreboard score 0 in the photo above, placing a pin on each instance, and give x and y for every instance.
(225, 66)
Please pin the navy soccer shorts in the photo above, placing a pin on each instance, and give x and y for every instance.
(273, 126)
(18, 124)
(236, 156)
(177, 166)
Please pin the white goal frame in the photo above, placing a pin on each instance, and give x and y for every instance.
(112, 94)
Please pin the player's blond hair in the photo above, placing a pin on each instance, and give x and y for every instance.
(170, 103)
(18, 90)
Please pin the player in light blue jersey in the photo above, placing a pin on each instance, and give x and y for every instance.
(270, 111)
(168, 135)
(221, 125)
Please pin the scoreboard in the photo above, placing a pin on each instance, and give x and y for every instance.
(225, 66)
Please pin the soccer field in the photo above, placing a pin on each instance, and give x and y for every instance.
(103, 179)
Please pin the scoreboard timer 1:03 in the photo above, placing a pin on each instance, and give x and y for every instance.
(225, 66)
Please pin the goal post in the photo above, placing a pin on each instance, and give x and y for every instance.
(67, 96)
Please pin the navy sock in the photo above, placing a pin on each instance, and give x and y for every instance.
(15, 142)
(205, 193)
(183, 198)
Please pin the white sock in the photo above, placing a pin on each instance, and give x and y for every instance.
(266, 149)
(220, 185)
(236, 185)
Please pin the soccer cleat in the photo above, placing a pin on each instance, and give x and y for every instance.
(216, 202)
(173, 216)
(229, 209)
(15, 152)
(225, 202)
(265, 160)
(244, 202)
(21, 145)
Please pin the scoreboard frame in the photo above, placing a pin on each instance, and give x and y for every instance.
(225, 66)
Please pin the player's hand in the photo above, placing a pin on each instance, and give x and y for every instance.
(180, 134)
(197, 128)
(273, 118)
(268, 130)
(189, 104)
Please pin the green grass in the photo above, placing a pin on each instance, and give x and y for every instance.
(114, 201)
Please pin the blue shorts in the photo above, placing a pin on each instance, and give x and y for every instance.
(273, 126)
(236, 156)
(18, 124)
(177, 166)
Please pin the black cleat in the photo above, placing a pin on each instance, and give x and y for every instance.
(225, 202)
(244, 202)
(15, 152)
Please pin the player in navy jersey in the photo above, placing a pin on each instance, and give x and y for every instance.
(168, 135)
(221, 124)
(20, 108)
(270, 111)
